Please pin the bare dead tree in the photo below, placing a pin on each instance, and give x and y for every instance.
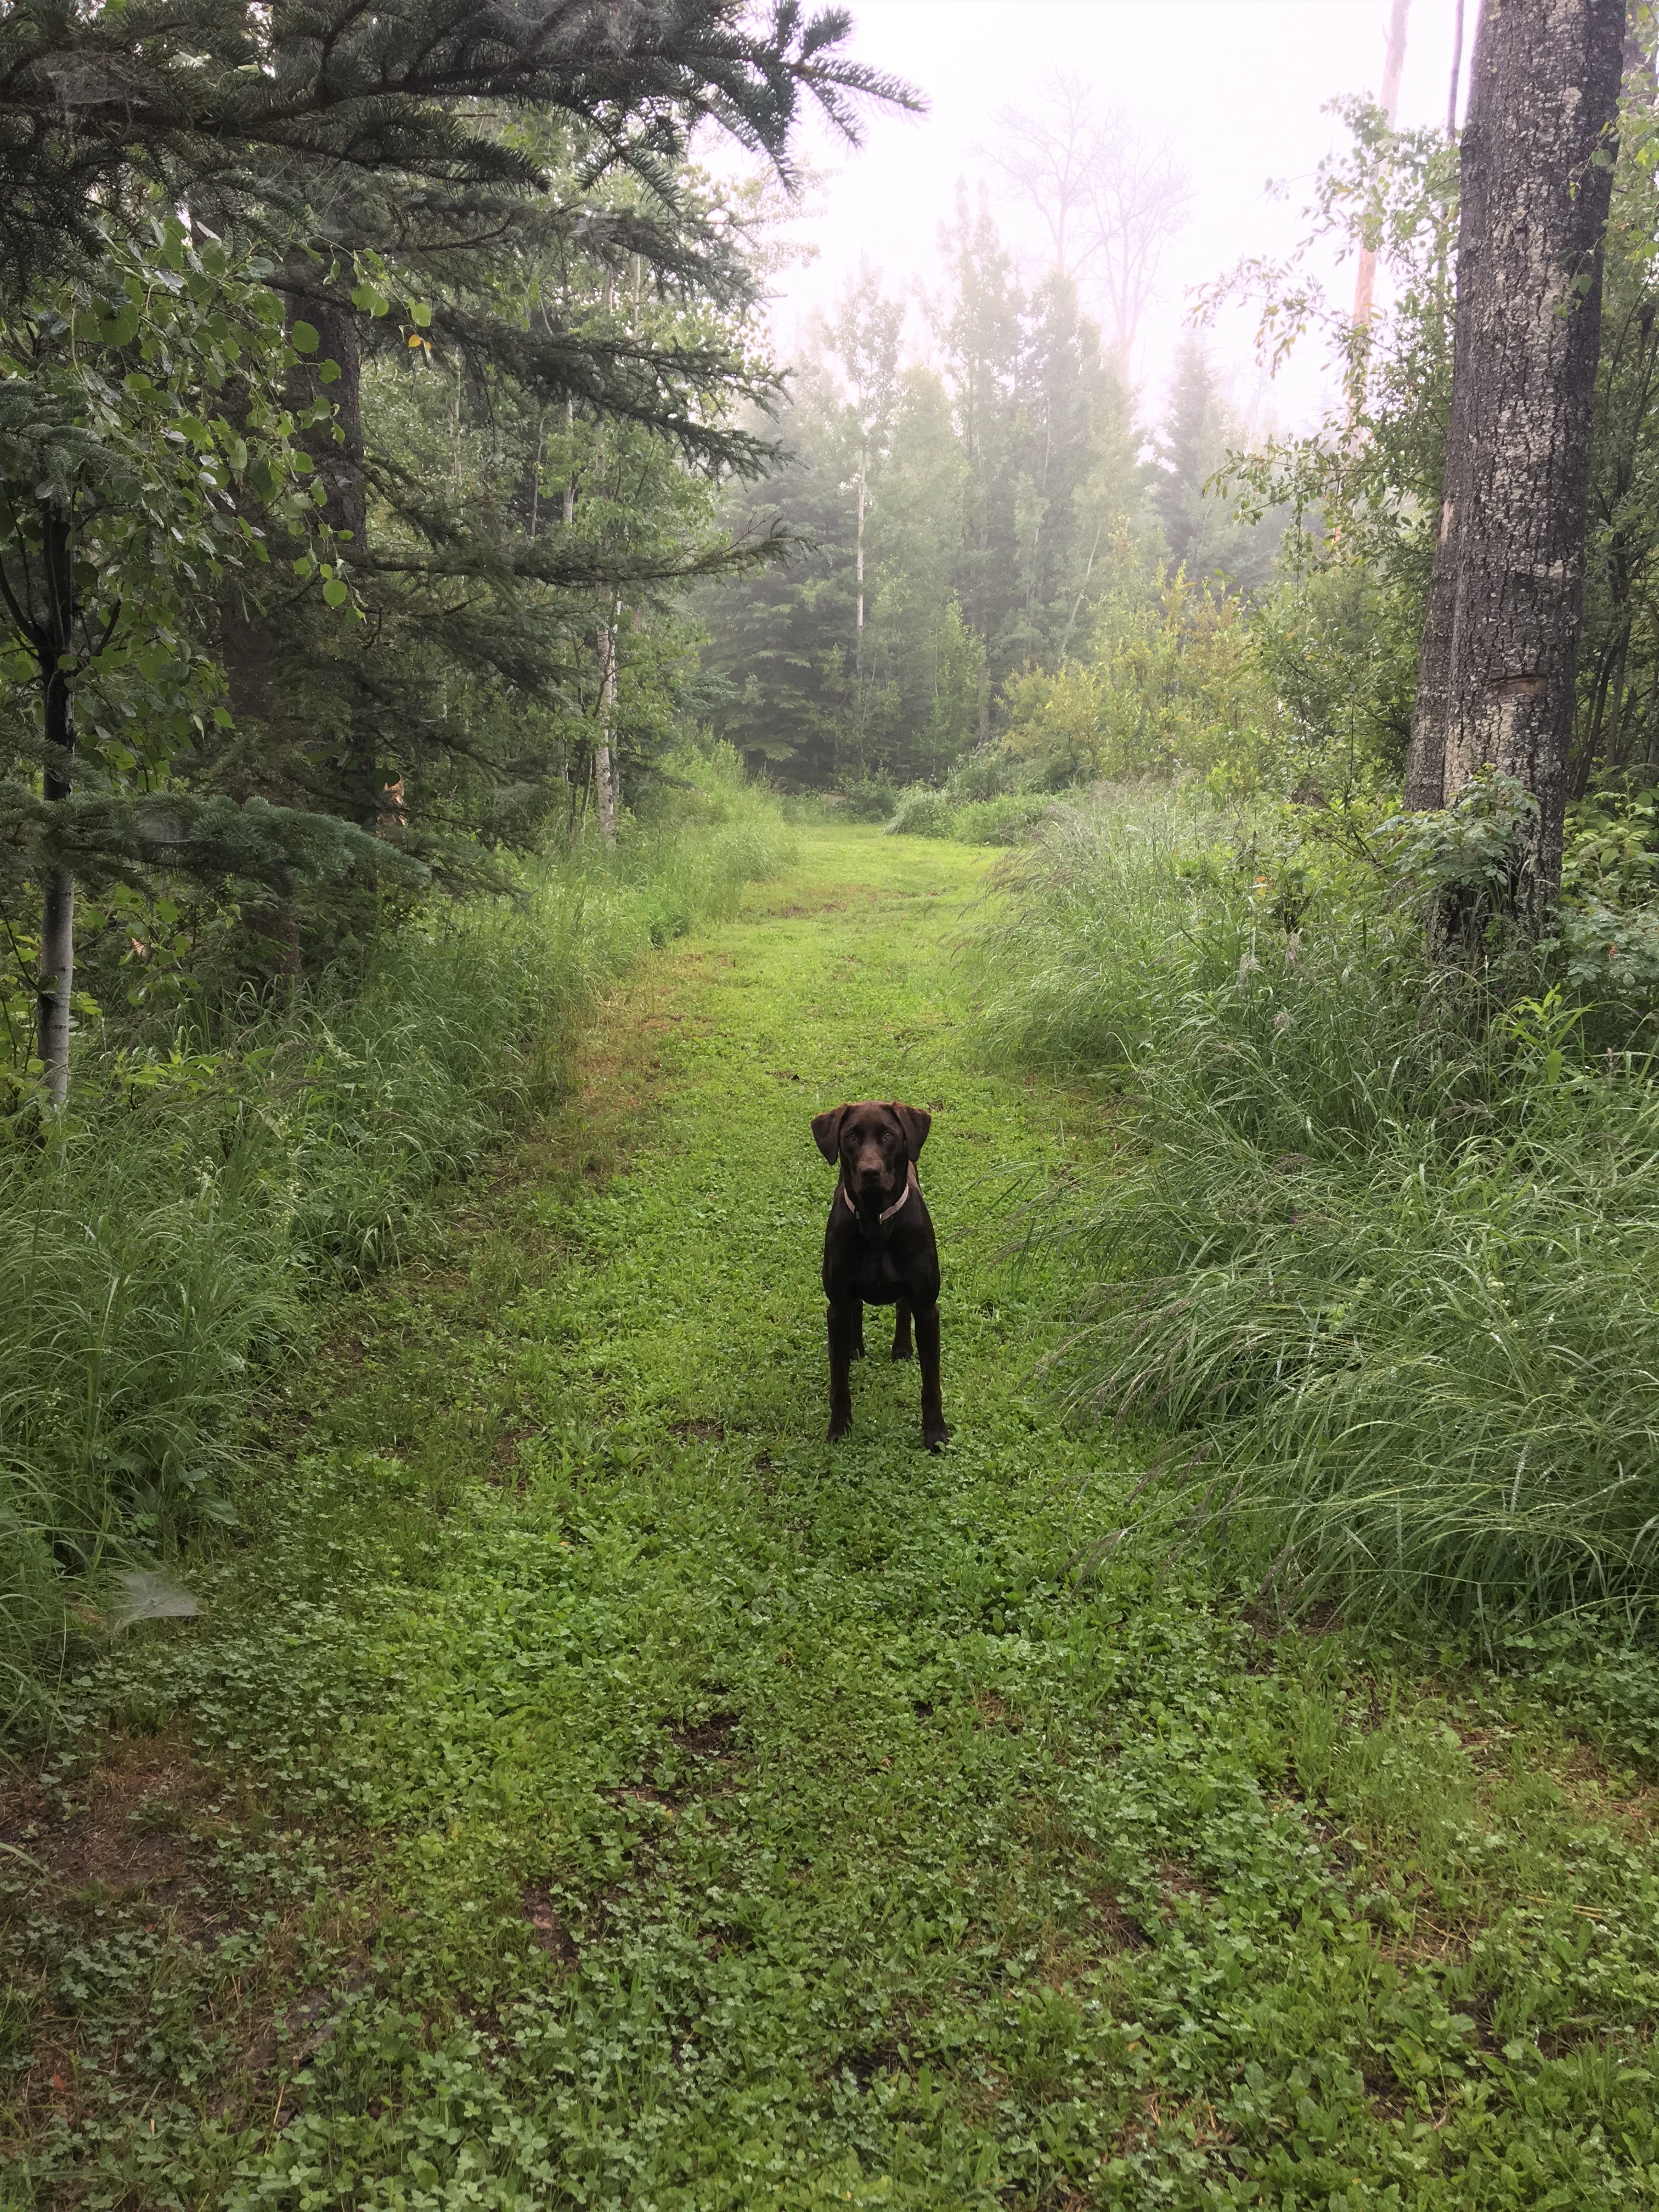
(1137, 201)
(1048, 158)
(1110, 201)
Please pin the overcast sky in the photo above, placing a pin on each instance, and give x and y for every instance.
(1236, 87)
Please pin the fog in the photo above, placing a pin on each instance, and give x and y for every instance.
(1236, 89)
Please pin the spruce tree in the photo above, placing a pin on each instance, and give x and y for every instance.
(376, 152)
(1183, 452)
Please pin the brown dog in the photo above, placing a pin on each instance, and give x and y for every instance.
(879, 1250)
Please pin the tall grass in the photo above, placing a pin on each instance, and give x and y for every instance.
(172, 1248)
(1383, 1262)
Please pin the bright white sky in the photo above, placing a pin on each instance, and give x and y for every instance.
(1236, 87)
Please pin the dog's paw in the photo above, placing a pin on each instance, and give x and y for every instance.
(857, 1352)
(902, 1352)
(936, 1439)
(838, 1428)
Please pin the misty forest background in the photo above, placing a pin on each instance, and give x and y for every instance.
(421, 591)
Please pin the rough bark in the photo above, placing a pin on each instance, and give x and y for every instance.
(1501, 637)
(1425, 760)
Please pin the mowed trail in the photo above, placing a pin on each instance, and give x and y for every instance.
(651, 1807)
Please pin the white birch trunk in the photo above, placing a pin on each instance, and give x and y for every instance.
(604, 777)
(57, 981)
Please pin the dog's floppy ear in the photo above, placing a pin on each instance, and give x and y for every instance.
(915, 1121)
(826, 1129)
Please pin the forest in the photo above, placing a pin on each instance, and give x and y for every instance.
(492, 741)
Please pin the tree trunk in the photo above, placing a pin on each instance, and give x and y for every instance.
(858, 638)
(1394, 61)
(1456, 72)
(1501, 634)
(57, 965)
(606, 789)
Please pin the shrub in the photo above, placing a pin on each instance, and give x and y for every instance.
(1005, 821)
(870, 799)
(988, 772)
(923, 814)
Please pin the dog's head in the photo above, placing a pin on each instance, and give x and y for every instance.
(873, 1146)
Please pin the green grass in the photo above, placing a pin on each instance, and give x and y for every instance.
(170, 1250)
(585, 1789)
(1380, 1258)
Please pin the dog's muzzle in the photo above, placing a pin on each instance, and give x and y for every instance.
(910, 1185)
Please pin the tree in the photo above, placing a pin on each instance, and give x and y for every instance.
(1138, 203)
(250, 102)
(1049, 157)
(1496, 683)
(1394, 62)
(1196, 504)
(994, 487)
(980, 336)
(399, 159)
(1618, 658)
(863, 341)
(1110, 202)
(127, 491)
(1186, 454)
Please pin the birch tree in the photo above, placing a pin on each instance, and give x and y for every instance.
(864, 343)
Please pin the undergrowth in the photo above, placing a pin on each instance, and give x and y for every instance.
(171, 1242)
(585, 1788)
(1382, 1261)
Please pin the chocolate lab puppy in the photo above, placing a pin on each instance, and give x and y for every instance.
(878, 1249)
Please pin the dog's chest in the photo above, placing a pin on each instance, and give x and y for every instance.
(871, 1271)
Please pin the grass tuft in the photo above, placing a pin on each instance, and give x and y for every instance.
(1384, 1261)
(172, 1245)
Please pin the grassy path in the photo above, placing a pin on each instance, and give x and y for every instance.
(586, 1789)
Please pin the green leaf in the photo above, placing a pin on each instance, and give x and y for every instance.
(420, 313)
(303, 338)
(328, 373)
(335, 592)
(371, 300)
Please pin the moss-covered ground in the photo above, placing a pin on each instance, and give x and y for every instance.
(582, 1787)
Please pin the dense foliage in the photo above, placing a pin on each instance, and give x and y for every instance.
(365, 384)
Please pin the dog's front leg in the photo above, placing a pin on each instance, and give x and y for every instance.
(934, 1431)
(902, 1329)
(857, 1328)
(844, 1321)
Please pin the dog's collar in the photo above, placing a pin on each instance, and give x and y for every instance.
(910, 1185)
